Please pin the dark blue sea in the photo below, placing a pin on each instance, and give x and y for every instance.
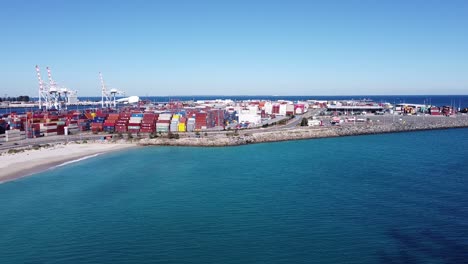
(393, 198)
(438, 100)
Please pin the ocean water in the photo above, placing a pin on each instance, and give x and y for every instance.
(393, 198)
(439, 100)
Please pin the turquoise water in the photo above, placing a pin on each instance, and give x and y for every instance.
(394, 198)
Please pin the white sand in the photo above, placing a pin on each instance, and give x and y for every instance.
(13, 166)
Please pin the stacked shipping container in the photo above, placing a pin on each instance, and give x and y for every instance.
(98, 122)
(148, 123)
(182, 124)
(191, 124)
(134, 123)
(122, 122)
(14, 135)
(109, 124)
(215, 118)
(162, 125)
(174, 127)
(200, 120)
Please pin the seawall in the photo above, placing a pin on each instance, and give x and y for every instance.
(259, 136)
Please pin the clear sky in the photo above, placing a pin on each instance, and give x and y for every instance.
(197, 47)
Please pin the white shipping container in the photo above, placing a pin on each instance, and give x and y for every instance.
(165, 117)
(162, 125)
(135, 120)
(47, 128)
(12, 132)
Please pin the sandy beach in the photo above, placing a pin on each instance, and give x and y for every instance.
(14, 166)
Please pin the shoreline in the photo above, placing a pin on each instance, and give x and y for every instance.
(29, 162)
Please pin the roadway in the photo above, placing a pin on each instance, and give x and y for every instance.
(49, 140)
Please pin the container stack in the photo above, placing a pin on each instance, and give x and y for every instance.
(98, 122)
(109, 124)
(61, 129)
(174, 127)
(275, 109)
(191, 124)
(50, 118)
(37, 118)
(122, 123)
(215, 118)
(200, 120)
(134, 124)
(182, 124)
(14, 135)
(84, 124)
(148, 124)
(162, 125)
(434, 110)
(48, 129)
(34, 131)
(73, 115)
(61, 123)
(72, 126)
(96, 127)
(230, 117)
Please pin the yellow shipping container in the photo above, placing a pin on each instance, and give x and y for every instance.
(175, 117)
(181, 127)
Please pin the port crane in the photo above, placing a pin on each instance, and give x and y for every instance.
(43, 91)
(108, 97)
(51, 95)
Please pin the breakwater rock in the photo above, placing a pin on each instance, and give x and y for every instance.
(261, 136)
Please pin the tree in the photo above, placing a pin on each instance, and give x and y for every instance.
(153, 135)
(304, 122)
(23, 98)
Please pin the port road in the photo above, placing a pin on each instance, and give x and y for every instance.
(49, 140)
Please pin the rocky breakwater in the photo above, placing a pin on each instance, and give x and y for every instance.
(205, 141)
(403, 124)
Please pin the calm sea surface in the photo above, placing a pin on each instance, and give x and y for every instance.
(394, 198)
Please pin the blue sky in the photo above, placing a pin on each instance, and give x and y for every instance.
(178, 47)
